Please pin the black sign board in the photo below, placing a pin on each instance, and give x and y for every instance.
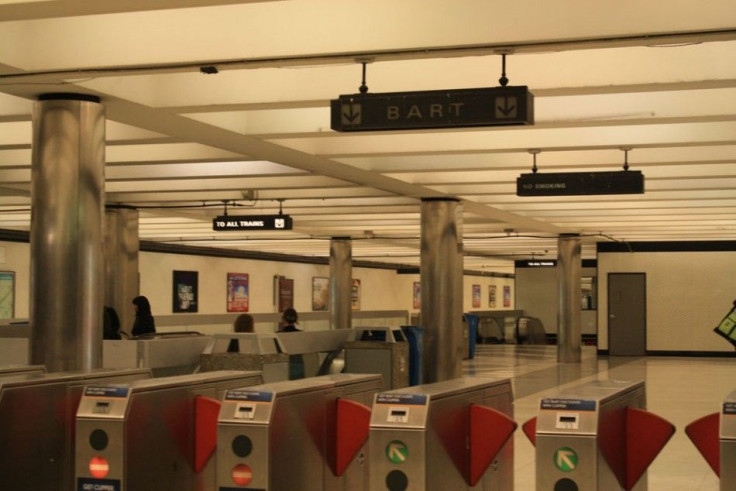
(580, 183)
(496, 106)
(252, 222)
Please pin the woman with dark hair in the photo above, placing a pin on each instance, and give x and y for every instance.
(144, 323)
(243, 323)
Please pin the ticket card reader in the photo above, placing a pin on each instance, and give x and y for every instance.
(714, 436)
(295, 434)
(37, 414)
(152, 435)
(453, 434)
(596, 436)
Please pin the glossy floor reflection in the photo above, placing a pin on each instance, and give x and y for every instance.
(680, 390)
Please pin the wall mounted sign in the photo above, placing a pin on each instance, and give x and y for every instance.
(496, 106)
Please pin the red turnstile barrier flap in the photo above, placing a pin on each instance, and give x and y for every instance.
(489, 431)
(206, 411)
(646, 435)
(353, 425)
(704, 435)
(530, 430)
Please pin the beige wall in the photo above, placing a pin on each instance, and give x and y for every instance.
(688, 293)
(538, 292)
(381, 289)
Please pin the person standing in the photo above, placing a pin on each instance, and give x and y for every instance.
(243, 323)
(144, 323)
(289, 321)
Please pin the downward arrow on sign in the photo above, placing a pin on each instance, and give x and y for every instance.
(351, 114)
(506, 106)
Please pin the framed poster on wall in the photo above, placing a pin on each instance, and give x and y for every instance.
(507, 296)
(185, 298)
(237, 292)
(417, 295)
(355, 295)
(7, 294)
(320, 293)
(492, 296)
(286, 293)
(476, 296)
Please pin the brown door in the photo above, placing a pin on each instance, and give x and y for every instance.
(627, 314)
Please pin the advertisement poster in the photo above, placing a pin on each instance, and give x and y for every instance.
(7, 294)
(476, 296)
(355, 295)
(320, 293)
(492, 296)
(417, 295)
(286, 293)
(185, 291)
(507, 296)
(237, 292)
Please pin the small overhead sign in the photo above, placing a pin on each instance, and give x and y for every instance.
(580, 183)
(252, 222)
(495, 106)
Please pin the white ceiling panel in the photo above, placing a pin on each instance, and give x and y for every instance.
(653, 78)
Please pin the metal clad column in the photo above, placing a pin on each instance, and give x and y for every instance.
(441, 280)
(121, 262)
(67, 195)
(568, 316)
(341, 282)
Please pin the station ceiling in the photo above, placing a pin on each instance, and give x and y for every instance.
(651, 83)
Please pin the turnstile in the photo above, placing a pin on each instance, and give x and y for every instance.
(443, 436)
(37, 425)
(301, 434)
(7, 370)
(728, 442)
(254, 351)
(596, 436)
(152, 434)
(715, 437)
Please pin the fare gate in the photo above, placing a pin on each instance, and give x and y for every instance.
(152, 434)
(447, 435)
(305, 434)
(37, 425)
(596, 436)
(715, 437)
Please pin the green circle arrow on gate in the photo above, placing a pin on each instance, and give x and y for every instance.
(397, 451)
(566, 459)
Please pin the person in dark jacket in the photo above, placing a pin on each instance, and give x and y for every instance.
(144, 323)
(289, 320)
(111, 324)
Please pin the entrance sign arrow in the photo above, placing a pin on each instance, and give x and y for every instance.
(566, 459)
(397, 451)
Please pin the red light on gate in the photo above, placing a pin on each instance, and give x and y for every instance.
(242, 475)
(99, 467)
